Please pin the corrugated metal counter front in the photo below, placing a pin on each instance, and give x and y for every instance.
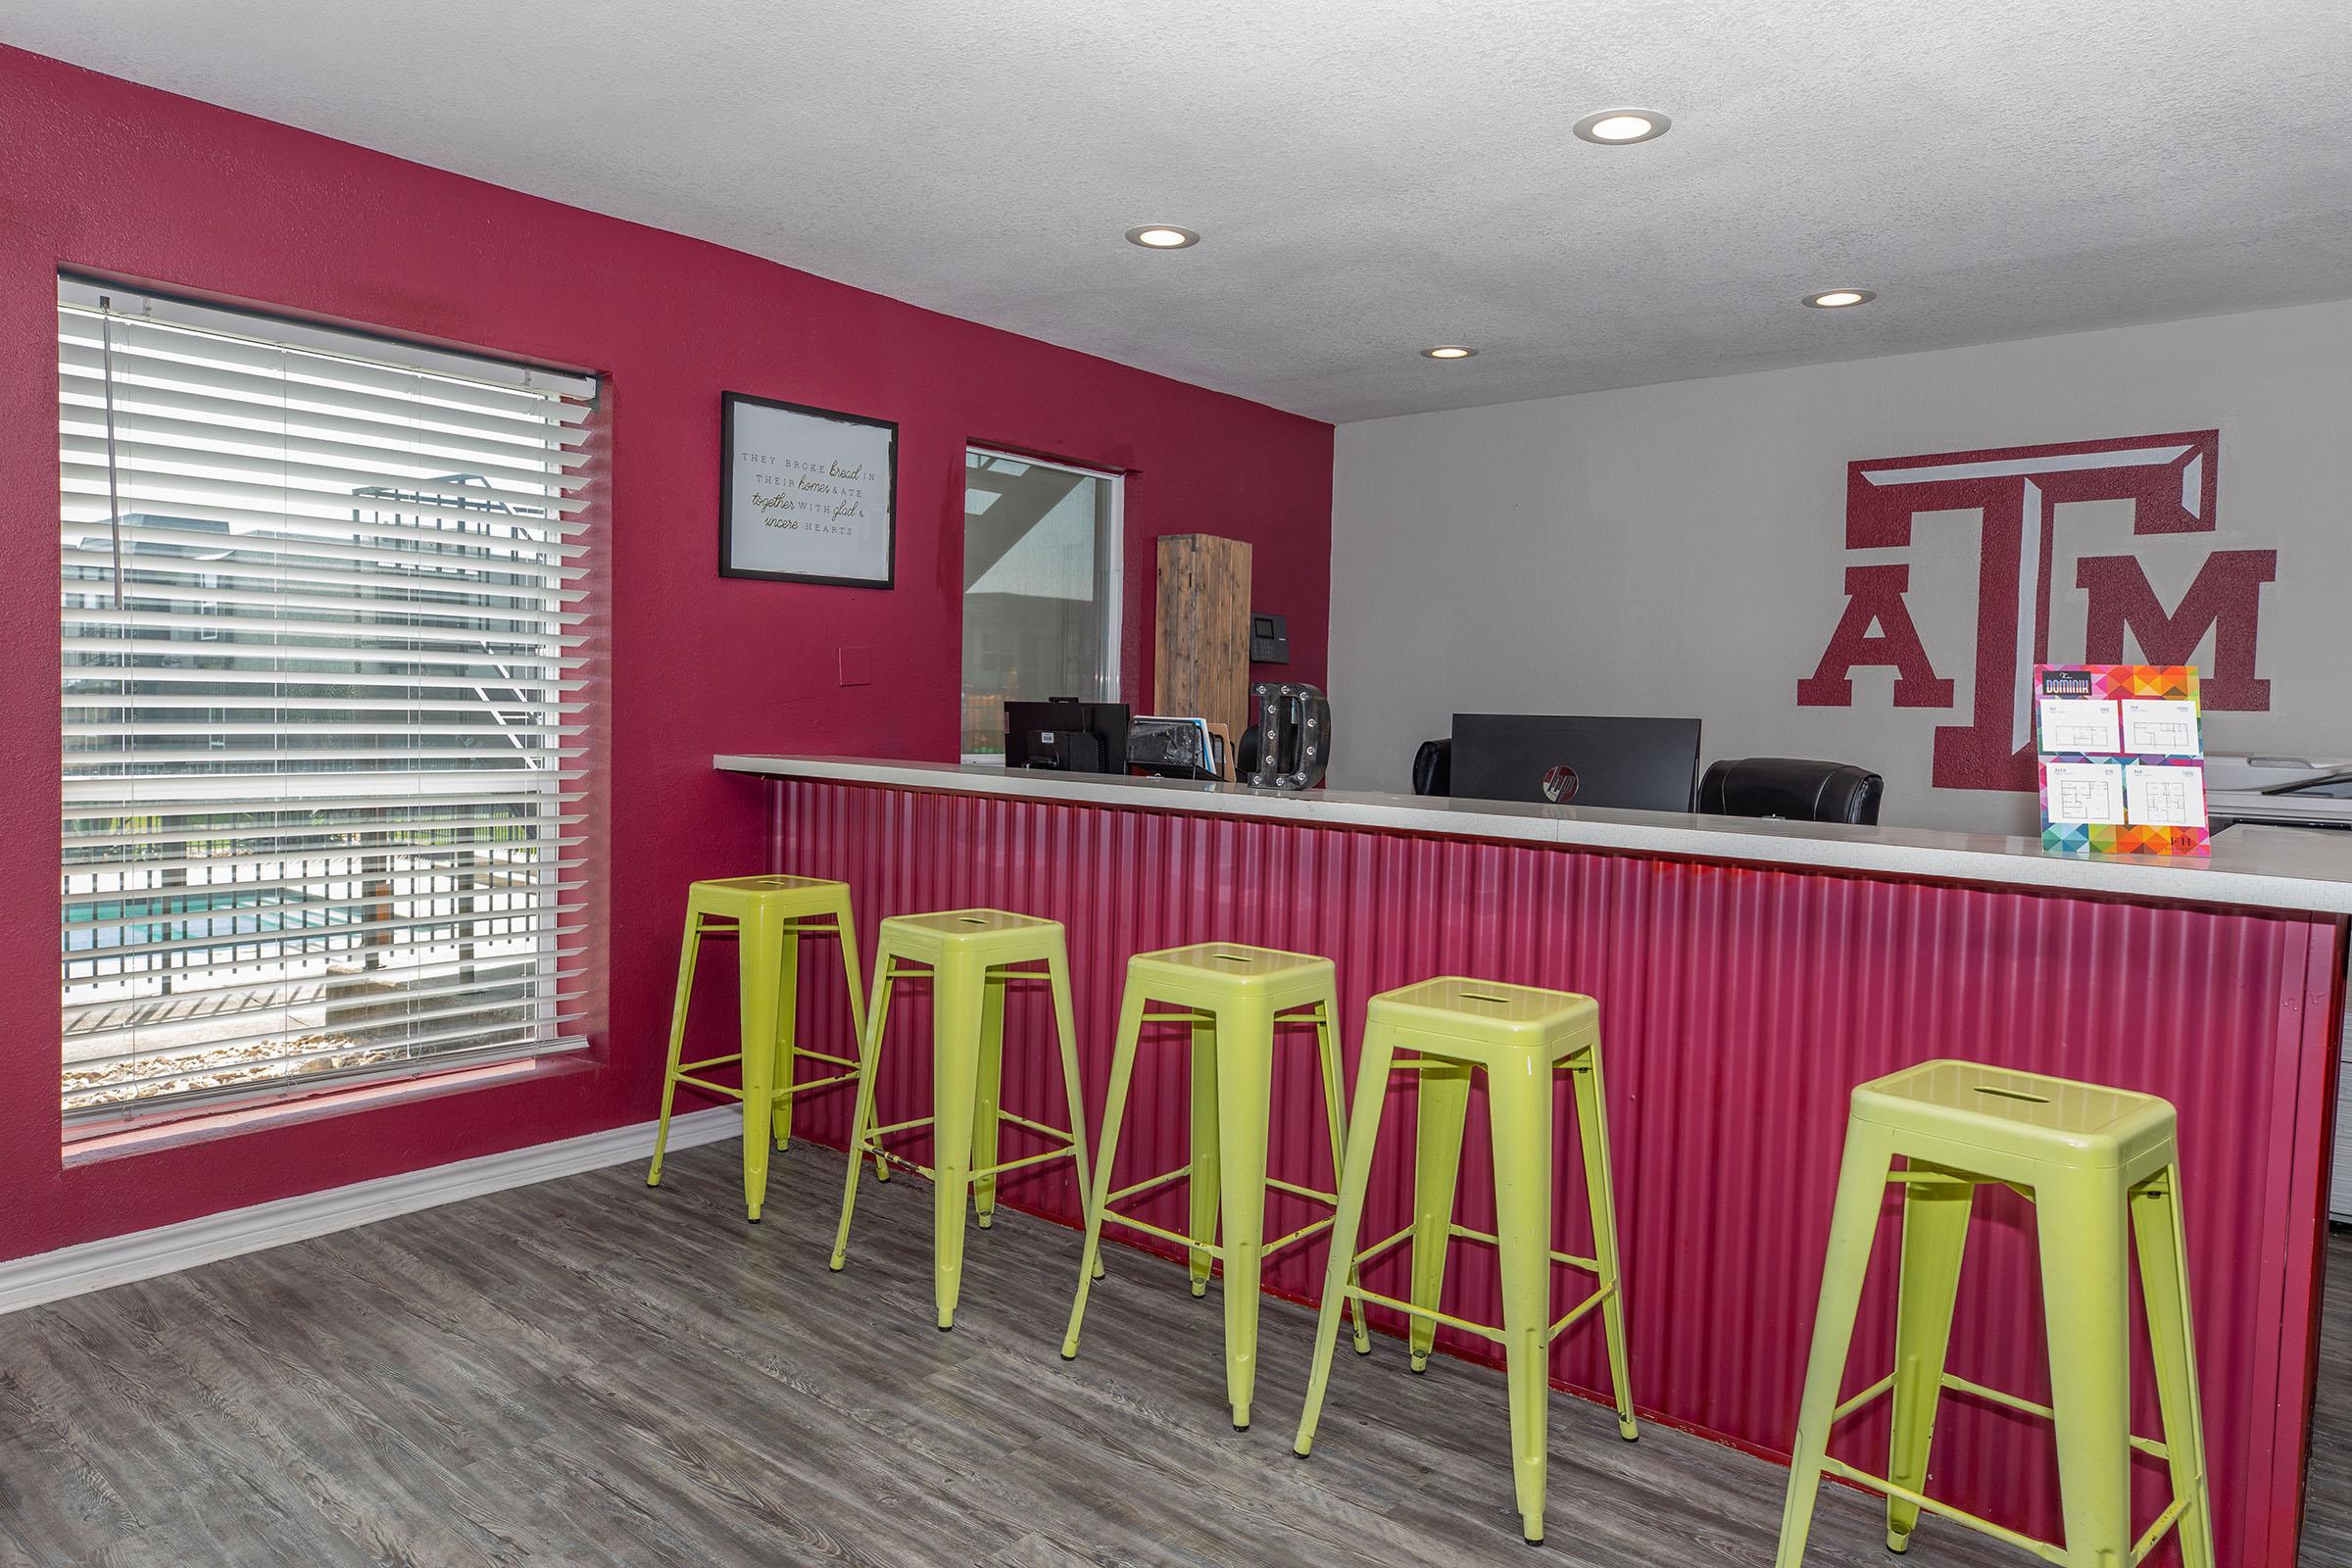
(1743, 996)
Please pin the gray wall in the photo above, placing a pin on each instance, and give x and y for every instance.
(1679, 548)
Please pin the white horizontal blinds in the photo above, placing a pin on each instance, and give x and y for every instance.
(322, 703)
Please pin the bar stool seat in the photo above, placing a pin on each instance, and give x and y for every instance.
(1234, 997)
(971, 956)
(2098, 1164)
(767, 917)
(1521, 1037)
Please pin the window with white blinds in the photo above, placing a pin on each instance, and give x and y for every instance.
(323, 705)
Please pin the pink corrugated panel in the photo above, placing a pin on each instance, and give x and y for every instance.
(1739, 1005)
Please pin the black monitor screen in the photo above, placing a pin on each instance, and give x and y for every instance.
(1642, 765)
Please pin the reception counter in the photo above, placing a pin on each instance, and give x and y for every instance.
(1749, 974)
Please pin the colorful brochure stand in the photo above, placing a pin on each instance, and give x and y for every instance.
(2122, 758)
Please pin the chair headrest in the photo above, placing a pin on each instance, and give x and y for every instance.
(1792, 787)
(1433, 769)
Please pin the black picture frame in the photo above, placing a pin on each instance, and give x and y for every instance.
(729, 403)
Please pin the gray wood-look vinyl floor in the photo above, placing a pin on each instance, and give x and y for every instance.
(587, 1373)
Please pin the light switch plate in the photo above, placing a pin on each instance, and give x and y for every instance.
(856, 667)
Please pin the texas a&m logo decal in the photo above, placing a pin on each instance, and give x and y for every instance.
(2012, 496)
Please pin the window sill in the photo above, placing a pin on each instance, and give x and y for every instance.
(97, 1144)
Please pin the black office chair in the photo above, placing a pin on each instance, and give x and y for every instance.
(1792, 787)
(1433, 769)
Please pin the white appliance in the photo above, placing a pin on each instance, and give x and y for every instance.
(2306, 792)
(2289, 791)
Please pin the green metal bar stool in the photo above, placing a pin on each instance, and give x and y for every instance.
(2100, 1165)
(1234, 997)
(767, 916)
(1521, 1037)
(969, 956)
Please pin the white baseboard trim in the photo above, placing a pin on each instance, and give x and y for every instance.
(143, 1255)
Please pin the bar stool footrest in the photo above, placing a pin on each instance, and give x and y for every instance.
(899, 1161)
(1314, 1227)
(2048, 1552)
(1065, 1146)
(1566, 1259)
(1026, 1160)
(1043, 1128)
(2153, 1447)
(805, 1085)
(1375, 1299)
(875, 1134)
(1559, 1326)
(728, 1091)
(780, 1093)
(1210, 1249)
(707, 1062)
(2157, 1528)
(1162, 1232)
(1295, 1189)
(1150, 1184)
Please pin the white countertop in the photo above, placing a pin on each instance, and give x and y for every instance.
(2262, 868)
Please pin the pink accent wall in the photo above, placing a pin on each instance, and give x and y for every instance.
(103, 175)
(1739, 1006)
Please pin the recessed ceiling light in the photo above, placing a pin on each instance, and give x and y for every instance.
(1162, 237)
(1448, 350)
(1838, 299)
(1622, 128)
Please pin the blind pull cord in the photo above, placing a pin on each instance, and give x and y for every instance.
(114, 491)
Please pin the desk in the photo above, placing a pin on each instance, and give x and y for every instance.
(1749, 975)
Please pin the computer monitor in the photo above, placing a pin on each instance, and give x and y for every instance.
(1642, 765)
(1174, 747)
(1066, 736)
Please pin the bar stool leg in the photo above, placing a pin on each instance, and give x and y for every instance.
(2162, 1276)
(687, 953)
(1519, 1111)
(2086, 1292)
(1854, 1225)
(1441, 1105)
(958, 1005)
(1936, 1212)
(1355, 1175)
(1065, 1033)
(854, 979)
(1334, 1111)
(869, 1059)
(1243, 1098)
(759, 941)
(1204, 1181)
(1600, 1197)
(989, 1085)
(788, 1065)
(1114, 1112)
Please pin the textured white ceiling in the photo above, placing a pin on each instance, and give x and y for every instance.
(1371, 177)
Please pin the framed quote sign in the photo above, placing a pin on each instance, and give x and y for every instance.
(805, 495)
